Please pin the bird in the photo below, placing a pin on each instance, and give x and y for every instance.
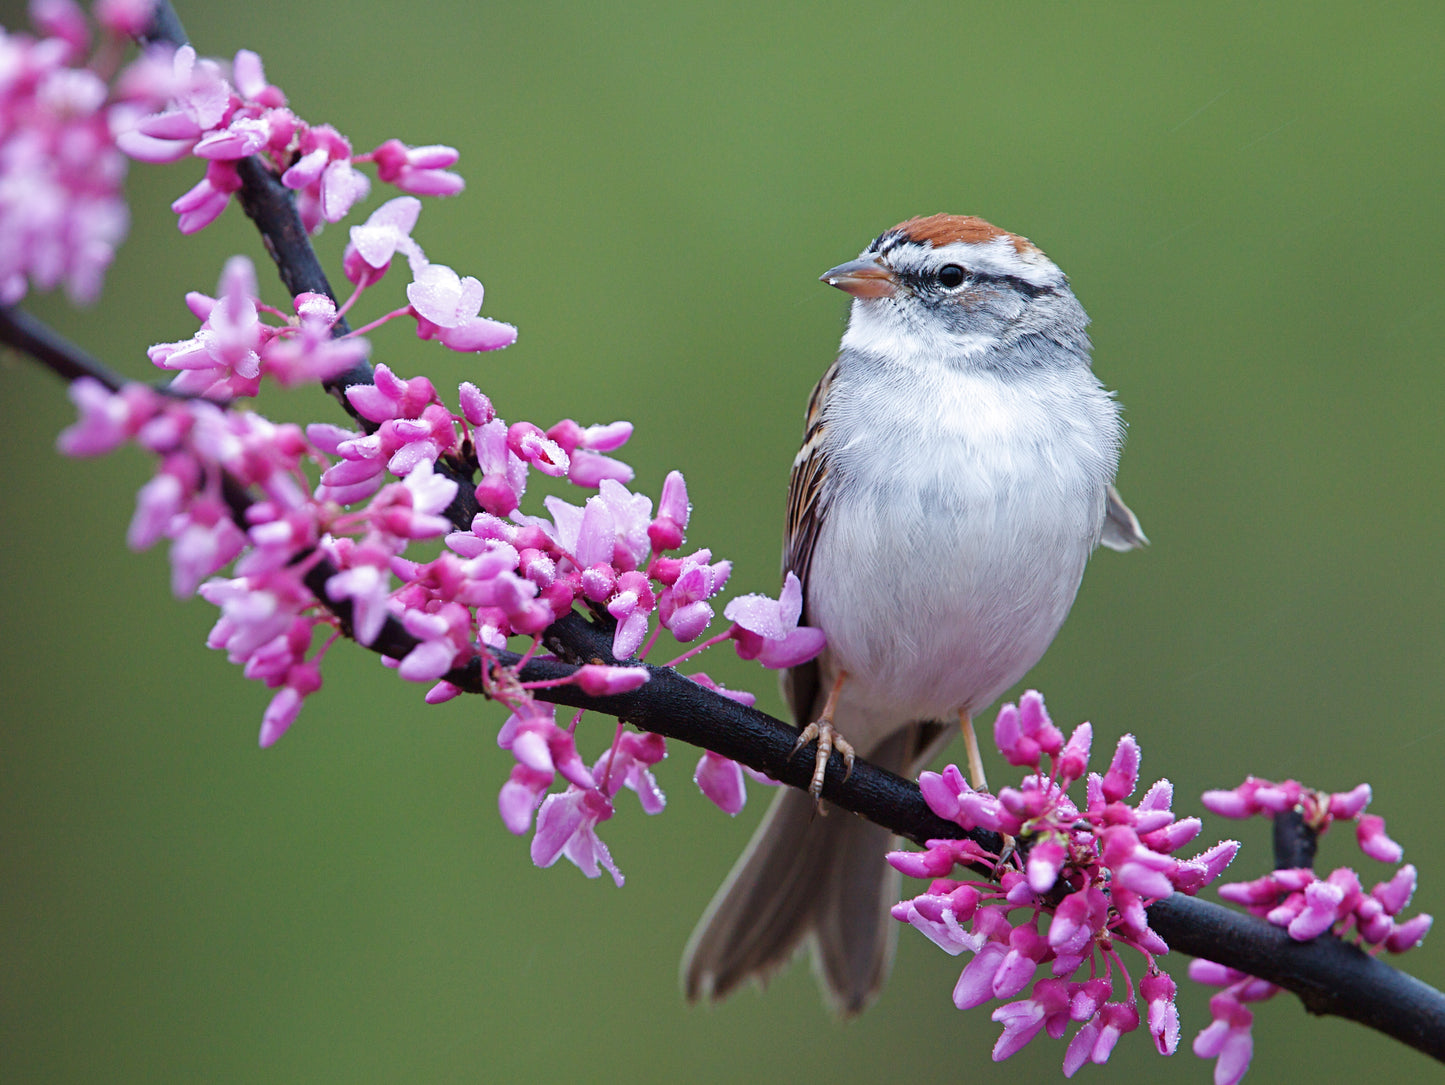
(956, 472)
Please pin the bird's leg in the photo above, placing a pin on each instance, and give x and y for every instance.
(976, 778)
(828, 739)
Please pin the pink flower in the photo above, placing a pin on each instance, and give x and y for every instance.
(413, 509)
(365, 580)
(1047, 1007)
(682, 607)
(673, 510)
(446, 307)
(200, 97)
(476, 407)
(584, 447)
(1123, 774)
(567, 825)
(521, 795)
(600, 681)
(389, 396)
(1374, 841)
(940, 914)
(443, 642)
(1158, 990)
(721, 780)
(630, 605)
(504, 473)
(306, 352)
(1228, 1040)
(537, 449)
(975, 984)
(1104, 862)
(62, 213)
(532, 735)
(1025, 732)
(422, 170)
(301, 680)
(629, 764)
(324, 176)
(223, 359)
(767, 630)
(386, 232)
(107, 419)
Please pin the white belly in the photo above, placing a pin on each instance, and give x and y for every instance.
(950, 552)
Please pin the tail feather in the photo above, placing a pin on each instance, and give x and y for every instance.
(806, 876)
(853, 934)
(765, 906)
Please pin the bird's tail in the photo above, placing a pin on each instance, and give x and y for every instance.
(807, 877)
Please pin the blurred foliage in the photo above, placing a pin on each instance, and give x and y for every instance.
(1247, 200)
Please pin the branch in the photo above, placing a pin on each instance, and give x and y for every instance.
(69, 362)
(1331, 977)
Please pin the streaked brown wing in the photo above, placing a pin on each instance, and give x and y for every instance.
(800, 536)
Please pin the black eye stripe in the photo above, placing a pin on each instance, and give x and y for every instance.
(985, 278)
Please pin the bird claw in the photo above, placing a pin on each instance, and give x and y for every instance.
(828, 740)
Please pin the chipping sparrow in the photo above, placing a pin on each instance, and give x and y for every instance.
(956, 471)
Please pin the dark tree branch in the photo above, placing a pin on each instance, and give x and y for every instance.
(34, 337)
(1329, 976)
(1295, 843)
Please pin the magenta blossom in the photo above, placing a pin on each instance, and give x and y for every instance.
(1091, 869)
(567, 825)
(194, 110)
(1303, 902)
(767, 630)
(446, 307)
(62, 213)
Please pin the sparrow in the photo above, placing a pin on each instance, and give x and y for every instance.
(956, 472)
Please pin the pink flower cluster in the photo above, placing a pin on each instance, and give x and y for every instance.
(223, 121)
(61, 210)
(566, 823)
(1303, 903)
(1300, 900)
(1089, 870)
(358, 498)
(234, 346)
(503, 577)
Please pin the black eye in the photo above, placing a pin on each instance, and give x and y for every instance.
(950, 276)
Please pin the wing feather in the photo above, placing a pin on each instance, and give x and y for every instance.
(807, 494)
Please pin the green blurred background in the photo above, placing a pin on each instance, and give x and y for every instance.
(1247, 202)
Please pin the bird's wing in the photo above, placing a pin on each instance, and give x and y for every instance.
(800, 536)
(1121, 526)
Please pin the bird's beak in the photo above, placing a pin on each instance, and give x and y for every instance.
(863, 278)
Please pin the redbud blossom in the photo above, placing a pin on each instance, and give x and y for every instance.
(721, 780)
(767, 630)
(422, 170)
(1111, 859)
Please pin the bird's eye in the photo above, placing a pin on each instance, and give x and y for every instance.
(950, 276)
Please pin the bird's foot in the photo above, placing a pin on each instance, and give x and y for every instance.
(828, 740)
